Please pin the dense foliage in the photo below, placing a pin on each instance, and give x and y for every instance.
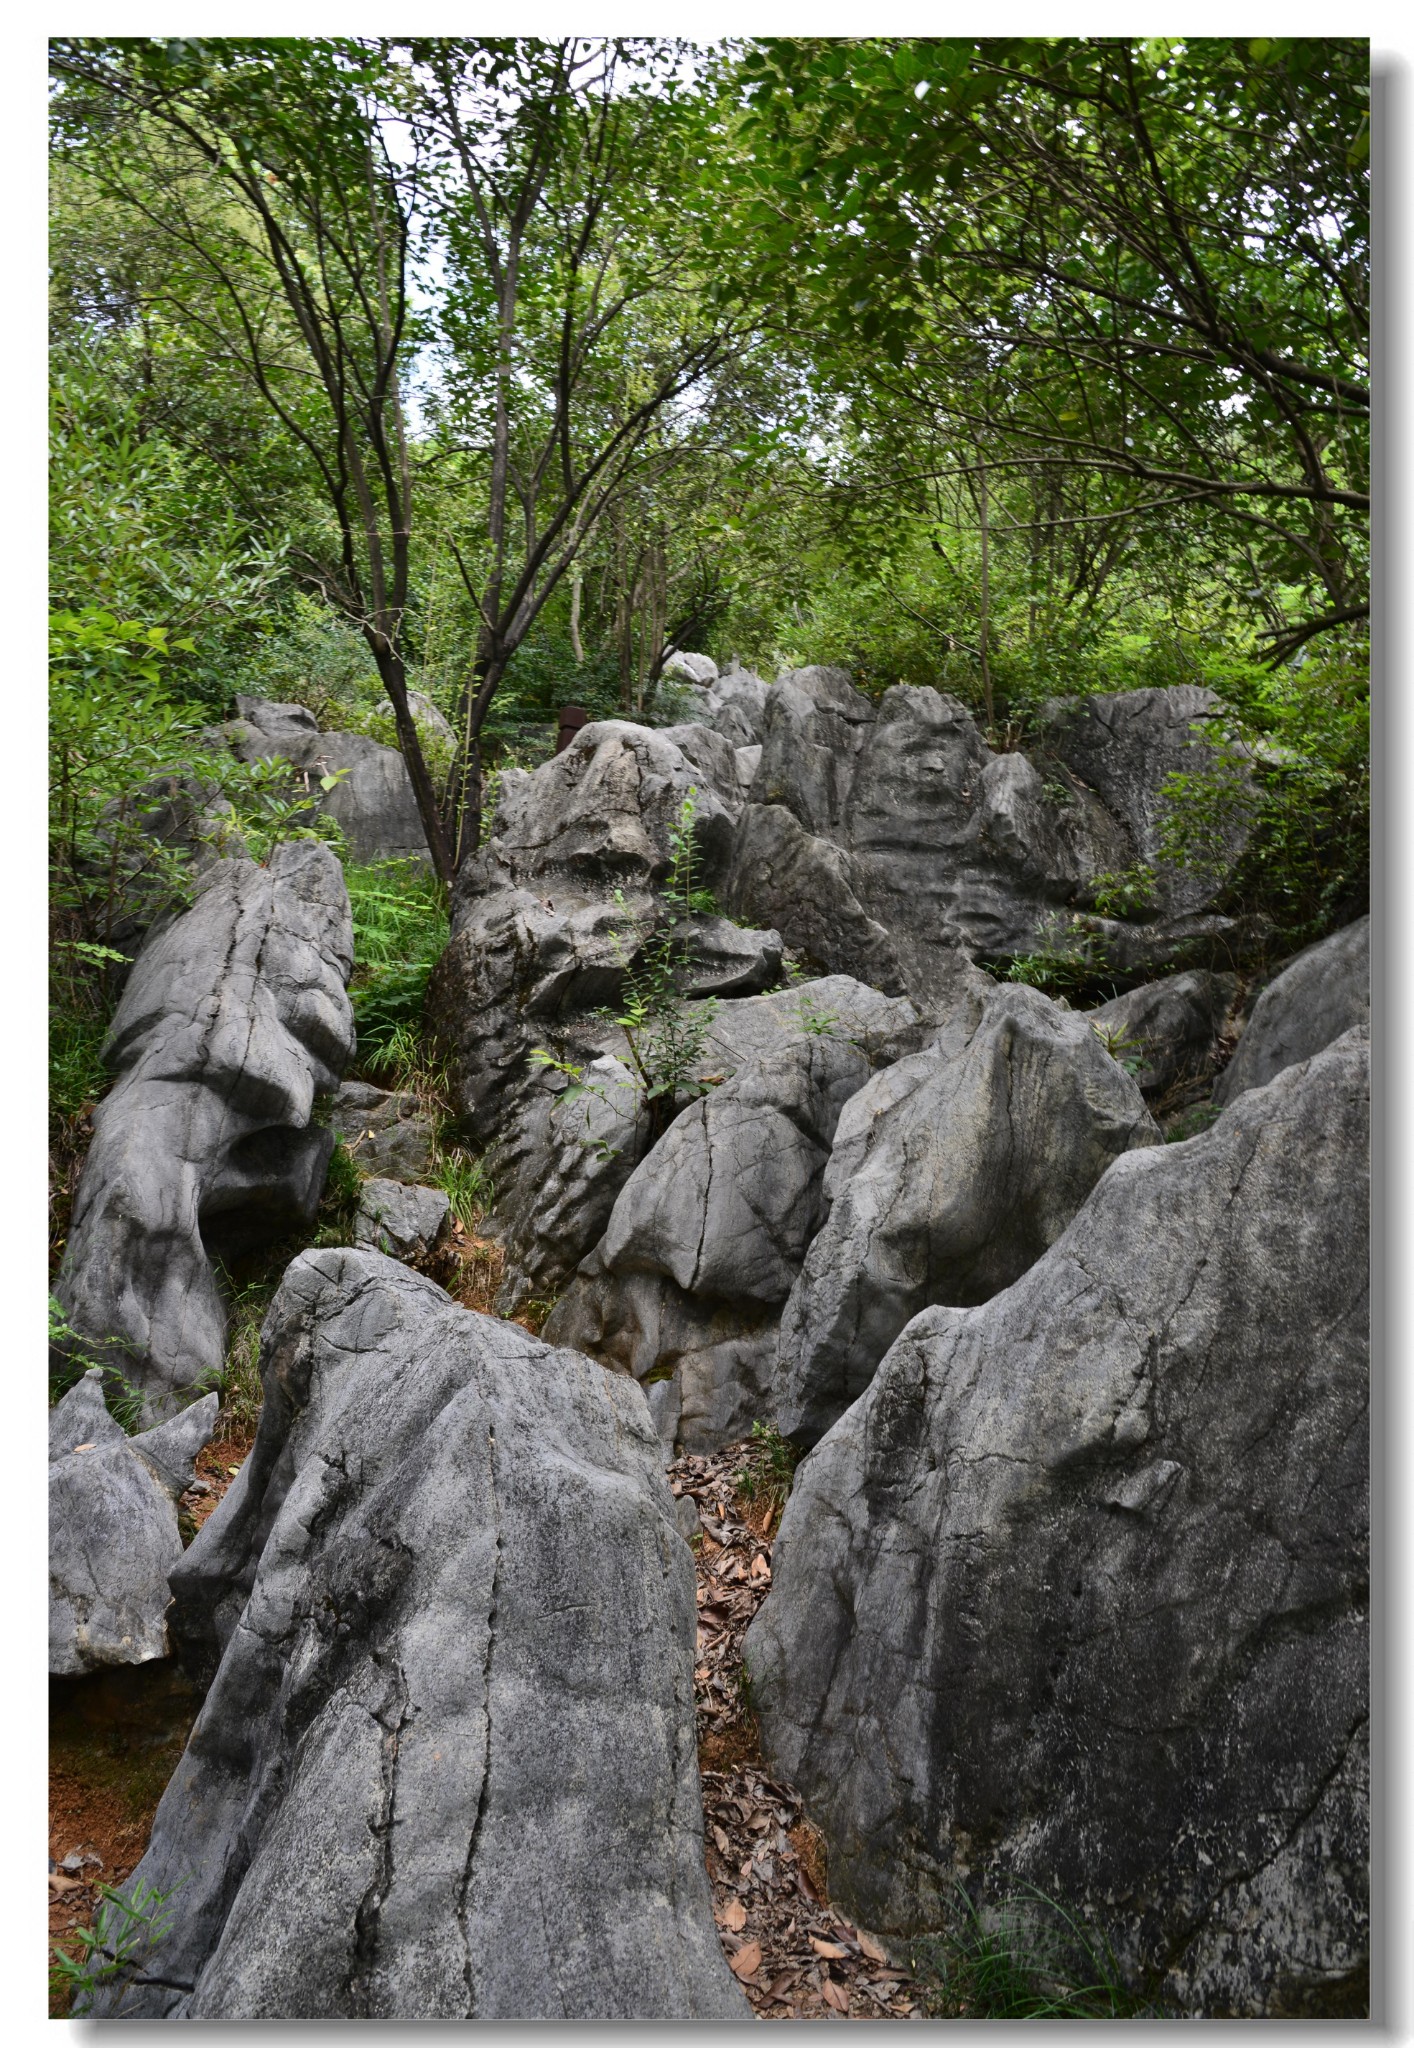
(498, 369)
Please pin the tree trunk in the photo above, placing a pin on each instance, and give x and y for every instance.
(394, 679)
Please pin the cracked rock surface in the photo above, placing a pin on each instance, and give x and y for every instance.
(707, 1233)
(543, 918)
(1075, 1595)
(233, 1019)
(1322, 993)
(446, 1766)
(951, 1173)
(113, 1534)
(372, 798)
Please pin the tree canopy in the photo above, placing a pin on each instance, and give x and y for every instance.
(1017, 366)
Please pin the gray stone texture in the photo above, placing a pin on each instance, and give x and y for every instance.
(405, 1222)
(544, 918)
(113, 1534)
(783, 876)
(1126, 745)
(1323, 992)
(446, 1766)
(233, 1019)
(708, 1232)
(1075, 1595)
(372, 801)
(385, 1131)
(1173, 1027)
(952, 1172)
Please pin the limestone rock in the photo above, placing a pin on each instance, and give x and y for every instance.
(805, 887)
(1124, 746)
(406, 1222)
(951, 1173)
(549, 918)
(815, 725)
(446, 1766)
(384, 1130)
(954, 844)
(706, 1238)
(113, 1534)
(1075, 1595)
(1172, 1027)
(691, 668)
(562, 1165)
(1323, 992)
(597, 817)
(233, 1019)
(372, 800)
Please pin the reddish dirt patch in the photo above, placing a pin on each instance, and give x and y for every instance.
(216, 1467)
(114, 1740)
(793, 1954)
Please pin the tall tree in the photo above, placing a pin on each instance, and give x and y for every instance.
(1158, 251)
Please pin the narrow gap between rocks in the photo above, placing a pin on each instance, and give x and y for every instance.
(793, 1953)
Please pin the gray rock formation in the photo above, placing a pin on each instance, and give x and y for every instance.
(405, 1222)
(1323, 992)
(372, 799)
(783, 876)
(1075, 1595)
(548, 919)
(233, 1019)
(681, 666)
(951, 1173)
(385, 1131)
(113, 1534)
(908, 839)
(1125, 746)
(734, 705)
(816, 723)
(562, 1165)
(1171, 1027)
(446, 1767)
(708, 1232)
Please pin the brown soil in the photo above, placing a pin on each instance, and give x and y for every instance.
(794, 1955)
(115, 1738)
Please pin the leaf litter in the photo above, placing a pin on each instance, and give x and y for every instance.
(794, 1955)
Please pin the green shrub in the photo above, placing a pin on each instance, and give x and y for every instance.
(1024, 1959)
(400, 930)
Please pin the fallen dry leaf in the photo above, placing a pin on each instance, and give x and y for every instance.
(871, 1947)
(58, 1883)
(835, 1950)
(836, 1994)
(721, 1841)
(733, 1915)
(747, 1960)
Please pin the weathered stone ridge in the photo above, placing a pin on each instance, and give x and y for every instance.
(452, 1713)
(234, 1018)
(1075, 1595)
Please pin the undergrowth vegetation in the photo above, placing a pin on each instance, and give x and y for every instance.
(1026, 1958)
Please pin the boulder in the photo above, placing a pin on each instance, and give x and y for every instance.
(1324, 992)
(113, 1534)
(953, 844)
(548, 920)
(385, 1131)
(372, 800)
(1170, 1028)
(805, 887)
(446, 1765)
(715, 760)
(597, 817)
(815, 725)
(562, 1164)
(1075, 1595)
(406, 1222)
(690, 668)
(707, 1234)
(952, 1172)
(1124, 747)
(233, 1019)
